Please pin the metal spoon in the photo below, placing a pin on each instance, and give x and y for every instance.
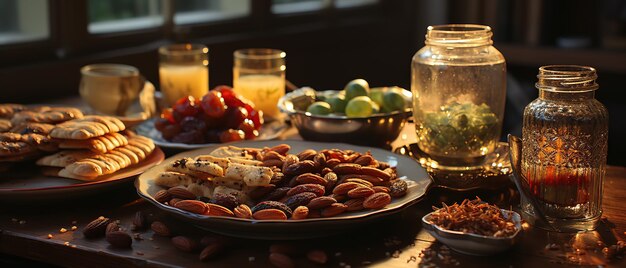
(515, 153)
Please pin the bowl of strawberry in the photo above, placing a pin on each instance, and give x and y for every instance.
(219, 116)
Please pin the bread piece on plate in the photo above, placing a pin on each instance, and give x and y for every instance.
(198, 169)
(232, 151)
(171, 179)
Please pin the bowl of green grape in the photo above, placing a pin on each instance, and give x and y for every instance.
(358, 114)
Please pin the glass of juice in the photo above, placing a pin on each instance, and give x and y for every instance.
(183, 71)
(259, 75)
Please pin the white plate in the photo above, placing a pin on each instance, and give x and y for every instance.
(269, 131)
(417, 179)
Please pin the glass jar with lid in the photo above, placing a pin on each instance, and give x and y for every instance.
(564, 148)
(459, 88)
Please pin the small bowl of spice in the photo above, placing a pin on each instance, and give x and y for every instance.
(474, 227)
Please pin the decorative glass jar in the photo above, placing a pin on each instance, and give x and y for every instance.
(564, 139)
(459, 89)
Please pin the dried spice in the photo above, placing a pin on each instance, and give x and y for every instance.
(474, 217)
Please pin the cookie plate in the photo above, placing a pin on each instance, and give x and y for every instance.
(25, 182)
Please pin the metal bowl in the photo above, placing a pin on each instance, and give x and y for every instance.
(375, 130)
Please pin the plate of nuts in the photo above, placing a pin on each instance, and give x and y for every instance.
(283, 189)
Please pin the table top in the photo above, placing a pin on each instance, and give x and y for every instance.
(395, 241)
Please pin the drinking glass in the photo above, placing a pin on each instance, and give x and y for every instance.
(259, 75)
(183, 71)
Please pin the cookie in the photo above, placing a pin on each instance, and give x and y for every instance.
(5, 125)
(15, 148)
(45, 114)
(101, 144)
(7, 110)
(29, 127)
(64, 158)
(87, 127)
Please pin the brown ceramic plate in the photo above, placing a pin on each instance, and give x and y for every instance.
(418, 180)
(26, 182)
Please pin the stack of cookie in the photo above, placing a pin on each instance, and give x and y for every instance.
(96, 146)
(24, 132)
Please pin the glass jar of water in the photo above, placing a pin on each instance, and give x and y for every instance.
(459, 88)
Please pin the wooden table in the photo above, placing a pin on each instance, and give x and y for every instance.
(396, 241)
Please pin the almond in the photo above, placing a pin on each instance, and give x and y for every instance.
(96, 228)
(119, 239)
(272, 163)
(308, 154)
(331, 163)
(377, 201)
(364, 160)
(333, 209)
(361, 191)
(381, 189)
(281, 260)
(160, 228)
(181, 193)
(371, 179)
(359, 181)
(300, 213)
(310, 178)
(243, 211)
(112, 227)
(317, 256)
(210, 251)
(162, 196)
(217, 210)
(281, 148)
(354, 204)
(347, 168)
(272, 155)
(375, 173)
(269, 214)
(139, 221)
(184, 243)
(193, 206)
(321, 202)
(343, 188)
(173, 201)
(317, 189)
